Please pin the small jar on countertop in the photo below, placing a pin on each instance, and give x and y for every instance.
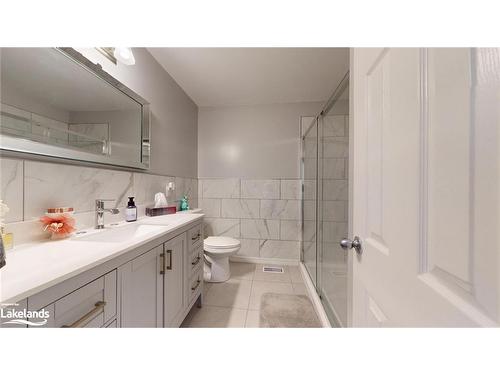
(131, 210)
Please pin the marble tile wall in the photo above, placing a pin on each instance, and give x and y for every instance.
(264, 214)
(29, 187)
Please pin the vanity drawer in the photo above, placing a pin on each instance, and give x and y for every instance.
(90, 306)
(195, 260)
(195, 237)
(195, 284)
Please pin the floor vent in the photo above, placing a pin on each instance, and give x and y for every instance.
(274, 269)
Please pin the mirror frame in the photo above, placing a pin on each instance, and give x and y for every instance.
(25, 146)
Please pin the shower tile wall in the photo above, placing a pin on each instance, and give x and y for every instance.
(30, 187)
(264, 214)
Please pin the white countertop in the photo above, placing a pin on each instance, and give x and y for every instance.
(34, 267)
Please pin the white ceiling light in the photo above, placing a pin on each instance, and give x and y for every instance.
(124, 55)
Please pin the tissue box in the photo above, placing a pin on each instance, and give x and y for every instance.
(157, 211)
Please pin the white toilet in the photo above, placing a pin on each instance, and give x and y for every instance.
(217, 253)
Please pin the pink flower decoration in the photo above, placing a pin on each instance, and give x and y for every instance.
(59, 226)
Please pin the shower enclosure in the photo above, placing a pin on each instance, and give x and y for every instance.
(325, 157)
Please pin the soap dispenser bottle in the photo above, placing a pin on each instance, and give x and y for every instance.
(131, 210)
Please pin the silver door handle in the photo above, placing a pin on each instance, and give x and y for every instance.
(355, 244)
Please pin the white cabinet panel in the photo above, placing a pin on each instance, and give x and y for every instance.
(110, 294)
(141, 291)
(174, 299)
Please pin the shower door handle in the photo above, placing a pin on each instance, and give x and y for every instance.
(355, 244)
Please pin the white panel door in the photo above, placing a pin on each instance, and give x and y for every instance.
(426, 187)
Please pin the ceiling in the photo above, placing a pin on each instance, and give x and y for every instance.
(248, 76)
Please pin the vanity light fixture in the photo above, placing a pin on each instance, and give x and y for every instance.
(121, 54)
(124, 55)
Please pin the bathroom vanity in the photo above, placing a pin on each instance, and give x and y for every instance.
(143, 274)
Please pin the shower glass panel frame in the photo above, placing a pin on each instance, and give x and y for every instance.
(325, 201)
(309, 171)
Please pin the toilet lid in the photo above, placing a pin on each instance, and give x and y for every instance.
(221, 242)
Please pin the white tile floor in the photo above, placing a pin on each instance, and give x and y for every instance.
(236, 303)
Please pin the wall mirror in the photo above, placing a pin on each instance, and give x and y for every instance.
(55, 102)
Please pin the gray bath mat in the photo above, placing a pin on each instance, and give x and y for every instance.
(287, 311)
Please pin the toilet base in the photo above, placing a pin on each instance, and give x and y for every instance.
(218, 270)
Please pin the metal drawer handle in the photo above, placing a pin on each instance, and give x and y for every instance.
(169, 264)
(196, 237)
(193, 288)
(99, 307)
(196, 261)
(162, 266)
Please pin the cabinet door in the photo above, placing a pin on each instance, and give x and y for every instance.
(141, 291)
(174, 280)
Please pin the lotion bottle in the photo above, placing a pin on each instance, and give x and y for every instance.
(131, 210)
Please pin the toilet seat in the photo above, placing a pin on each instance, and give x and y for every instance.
(220, 244)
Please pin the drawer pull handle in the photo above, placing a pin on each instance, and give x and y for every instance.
(162, 264)
(196, 237)
(196, 261)
(193, 288)
(99, 307)
(169, 264)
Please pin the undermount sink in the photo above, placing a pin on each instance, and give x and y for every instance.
(122, 234)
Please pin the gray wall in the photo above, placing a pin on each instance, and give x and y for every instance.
(251, 141)
(249, 177)
(174, 115)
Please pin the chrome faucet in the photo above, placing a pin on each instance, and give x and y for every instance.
(100, 210)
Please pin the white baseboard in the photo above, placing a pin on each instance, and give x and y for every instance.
(311, 291)
(255, 260)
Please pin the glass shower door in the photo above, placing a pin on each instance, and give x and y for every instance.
(333, 156)
(325, 153)
(309, 198)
